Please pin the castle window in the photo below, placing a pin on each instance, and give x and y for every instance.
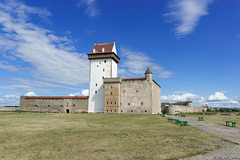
(111, 86)
(36, 105)
(141, 103)
(95, 92)
(103, 69)
(136, 90)
(97, 65)
(73, 105)
(111, 110)
(131, 110)
(103, 49)
(48, 105)
(129, 104)
(107, 102)
(61, 105)
(115, 110)
(124, 91)
(145, 110)
(96, 84)
(115, 102)
(105, 61)
(107, 110)
(102, 76)
(111, 102)
(121, 110)
(111, 93)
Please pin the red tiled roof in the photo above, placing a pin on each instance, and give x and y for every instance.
(133, 79)
(56, 97)
(107, 47)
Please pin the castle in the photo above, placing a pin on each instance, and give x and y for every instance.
(107, 92)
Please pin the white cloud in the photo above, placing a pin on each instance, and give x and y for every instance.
(84, 92)
(11, 99)
(51, 58)
(183, 97)
(7, 66)
(218, 99)
(218, 96)
(30, 94)
(135, 63)
(92, 9)
(187, 13)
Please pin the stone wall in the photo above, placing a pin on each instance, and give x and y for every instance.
(180, 107)
(112, 95)
(54, 104)
(136, 96)
(131, 96)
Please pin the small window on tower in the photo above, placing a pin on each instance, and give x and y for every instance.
(136, 90)
(129, 104)
(102, 76)
(111, 93)
(141, 103)
(96, 84)
(73, 105)
(105, 61)
(48, 105)
(111, 102)
(107, 102)
(95, 92)
(36, 105)
(103, 69)
(115, 102)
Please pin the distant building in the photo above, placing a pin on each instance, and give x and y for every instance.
(181, 107)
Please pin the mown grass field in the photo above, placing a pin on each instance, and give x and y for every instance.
(218, 119)
(99, 136)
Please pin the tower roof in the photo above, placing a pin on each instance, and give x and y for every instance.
(98, 48)
(148, 71)
(104, 50)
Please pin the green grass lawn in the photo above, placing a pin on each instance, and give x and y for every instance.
(218, 119)
(99, 136)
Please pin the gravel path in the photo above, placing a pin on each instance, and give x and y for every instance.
(229, 133)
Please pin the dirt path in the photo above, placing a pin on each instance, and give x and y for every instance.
(229, 133)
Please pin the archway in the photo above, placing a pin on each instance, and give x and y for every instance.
(67, 110)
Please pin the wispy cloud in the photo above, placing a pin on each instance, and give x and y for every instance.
(48, 56)
(92, 9)
(186, 14)
(11, 99)
(134, 63)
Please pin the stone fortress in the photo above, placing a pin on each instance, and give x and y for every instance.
(108, 93)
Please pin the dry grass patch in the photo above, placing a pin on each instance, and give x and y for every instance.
(218, 119)
(99, 136)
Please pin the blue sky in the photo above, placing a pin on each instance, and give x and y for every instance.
(192, 46)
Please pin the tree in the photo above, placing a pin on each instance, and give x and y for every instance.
(209, 110)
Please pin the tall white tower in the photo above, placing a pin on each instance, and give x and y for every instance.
(103, 64)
